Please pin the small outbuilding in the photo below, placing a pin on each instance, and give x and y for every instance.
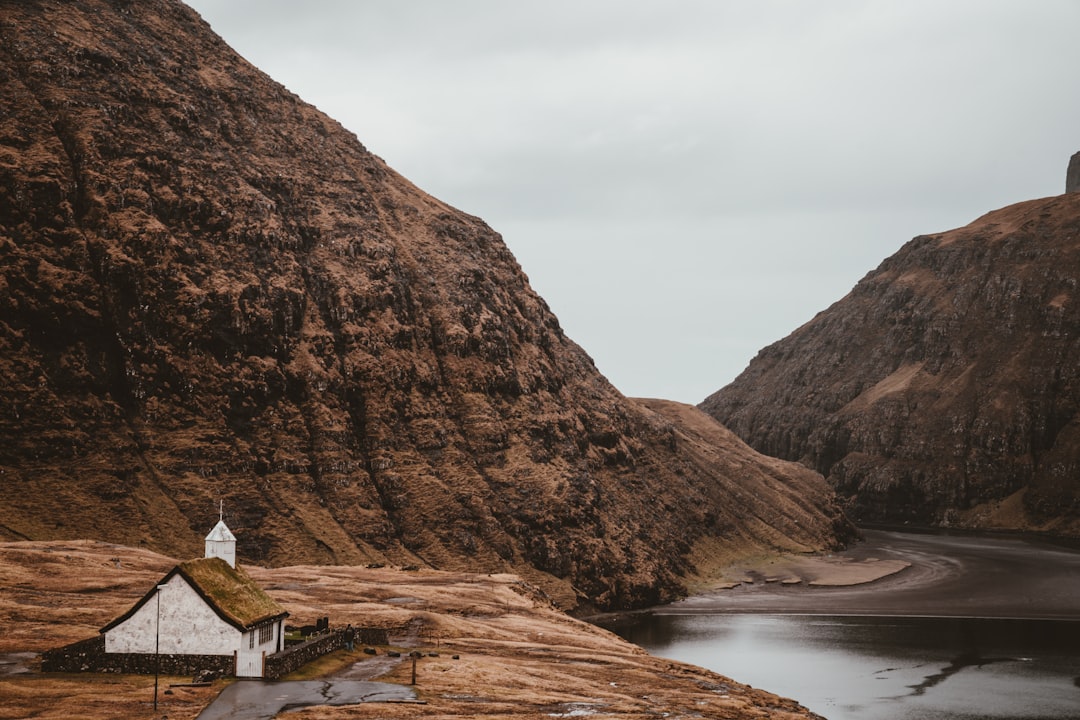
(204, 607)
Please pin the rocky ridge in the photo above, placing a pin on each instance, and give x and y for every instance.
(944, 388)
(212, 291)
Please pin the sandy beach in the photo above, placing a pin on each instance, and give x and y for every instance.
(907, 573)
(839, 570)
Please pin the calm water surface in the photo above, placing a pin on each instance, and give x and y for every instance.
(869, 668)
(886, 652)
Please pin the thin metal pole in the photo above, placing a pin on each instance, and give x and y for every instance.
(157, 645)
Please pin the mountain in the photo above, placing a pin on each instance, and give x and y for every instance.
(213, 292)
(944, 388)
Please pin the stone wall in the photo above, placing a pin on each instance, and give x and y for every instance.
(282, 663)
(293, 658)
(90, 656)
(372, 636)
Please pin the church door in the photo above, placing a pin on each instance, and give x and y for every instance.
(249, 659)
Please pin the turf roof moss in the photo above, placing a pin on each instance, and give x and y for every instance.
(231, 590)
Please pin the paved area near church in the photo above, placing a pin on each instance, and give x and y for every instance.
(260, 700)
(16, 663)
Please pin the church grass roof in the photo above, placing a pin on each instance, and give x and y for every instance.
(230, 592)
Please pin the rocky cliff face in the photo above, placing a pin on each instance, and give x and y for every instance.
(944, 388)
(1072, 174)
(212, 291)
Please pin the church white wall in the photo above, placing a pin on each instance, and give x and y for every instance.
(188, 626)
(226, 550)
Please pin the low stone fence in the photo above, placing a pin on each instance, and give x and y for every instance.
(372, 636)
(90, 656)
(295, 657)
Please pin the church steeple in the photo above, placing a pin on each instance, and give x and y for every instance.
(221, 542)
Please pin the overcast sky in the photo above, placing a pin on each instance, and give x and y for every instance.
(688, 181)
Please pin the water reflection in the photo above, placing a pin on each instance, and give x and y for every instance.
(966, 660)
(869, 668)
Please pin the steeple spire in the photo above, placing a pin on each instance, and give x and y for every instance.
(221, 542)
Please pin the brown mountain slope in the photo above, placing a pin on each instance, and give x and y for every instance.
(944, 388)
(211, 290)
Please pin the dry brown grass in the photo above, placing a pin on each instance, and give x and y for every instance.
(517, 656)
(64, 697)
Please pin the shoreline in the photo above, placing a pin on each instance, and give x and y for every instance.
(834, 570)
(933, 574)
(1037, 536)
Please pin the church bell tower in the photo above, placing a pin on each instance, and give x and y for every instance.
(221, 542)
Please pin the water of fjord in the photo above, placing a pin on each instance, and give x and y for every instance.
(871, 661)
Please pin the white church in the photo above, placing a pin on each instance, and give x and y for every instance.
(204, 607)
